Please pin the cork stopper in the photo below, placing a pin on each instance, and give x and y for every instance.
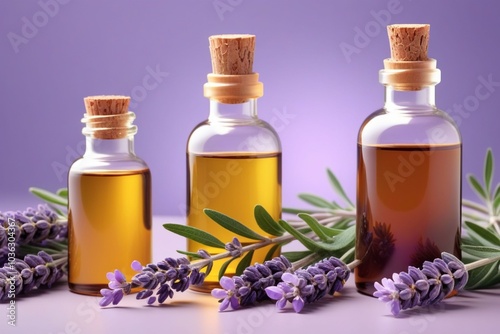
(107, 117)
(232, 54)
(409, 42)
(106, 104)
(233, 80)
(409, 67)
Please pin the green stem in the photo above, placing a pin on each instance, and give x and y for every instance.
(482, 262)
(311, 258)
(475, 206)
(354, 264)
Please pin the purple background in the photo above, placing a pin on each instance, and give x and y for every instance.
(316, 95)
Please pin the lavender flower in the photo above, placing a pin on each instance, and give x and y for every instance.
(166, 276)
(311, 284)
(35, 271)
(31, 226)
(226, 294)
(422, 287)
(234, 248)
(249, 288)
(292, 288)
(276, 279)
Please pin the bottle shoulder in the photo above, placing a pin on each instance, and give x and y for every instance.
(432, 126)
(103, 163)
(249, 136)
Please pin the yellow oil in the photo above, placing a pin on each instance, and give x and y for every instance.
(109, 226)
(233, 184)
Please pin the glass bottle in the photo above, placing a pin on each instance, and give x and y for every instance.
(233, 157)
(109, 203)
(409, 172)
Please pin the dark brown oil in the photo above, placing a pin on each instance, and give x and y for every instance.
(109, 226)
(409, 208)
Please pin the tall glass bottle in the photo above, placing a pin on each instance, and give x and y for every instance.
(109, 204)
(233, 157)
(409, 168)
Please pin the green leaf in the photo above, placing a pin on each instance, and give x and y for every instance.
(482, 235)
(488, 170)
(224, 266)
(317, 201)
(319, 229)
(484, 276)
(293, 256)
(272, 250)
(307, 242)
(343, 223)
(476, 186)
(244, 263)
(48, 196)
(63, 192)
(190, 254)
(233, 225)
(344, 240)
(296, 211)
(338, 187)
(496, 199)
(266, 222)
(195, 234)
(481, 251)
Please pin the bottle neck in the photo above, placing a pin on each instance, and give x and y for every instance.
(233, 112)
(410, 101)
(109, 148)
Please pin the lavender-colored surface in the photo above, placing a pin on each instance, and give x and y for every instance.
(59, 311)
(315, 95)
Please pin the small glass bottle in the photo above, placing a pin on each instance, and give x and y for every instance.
(409, 168)
(109, 198)
(233, 157)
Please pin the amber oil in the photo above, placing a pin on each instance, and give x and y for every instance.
(231, 183)
(111, 215)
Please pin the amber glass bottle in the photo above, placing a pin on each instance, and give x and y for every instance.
(109, 203)
(233, 157)
(409, 168)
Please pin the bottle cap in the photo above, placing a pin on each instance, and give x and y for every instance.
(409, 42)
(107, 117)
(233, 80)
(232, 54)
(409, 67)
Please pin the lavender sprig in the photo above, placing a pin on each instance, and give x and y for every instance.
(278, 280)
(35, 271)
(31, 230)
(166, 276)
(427, 286)
(32, 225)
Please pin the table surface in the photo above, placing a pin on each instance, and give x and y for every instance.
(59, 311)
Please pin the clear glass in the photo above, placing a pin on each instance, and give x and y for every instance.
(109, 213)
(233, 164)
(408, 186)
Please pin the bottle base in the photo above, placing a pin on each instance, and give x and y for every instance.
(87, 289)
(366, 288)
(206, 287)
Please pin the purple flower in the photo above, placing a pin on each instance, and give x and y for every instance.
(422, 287)
(34, 272)
(275, 279)
(226, 294)
(234, 248)
(165, 277)
(292, 288)
(110, 296)
(387, 293)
